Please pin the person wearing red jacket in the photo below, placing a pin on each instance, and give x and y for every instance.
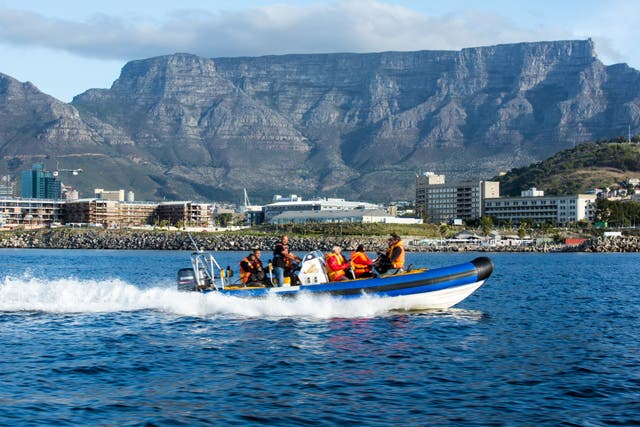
(336, 264)
(361, 263)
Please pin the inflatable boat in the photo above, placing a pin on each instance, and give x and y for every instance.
(436, 288)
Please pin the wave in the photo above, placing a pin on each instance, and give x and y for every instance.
(71, 295)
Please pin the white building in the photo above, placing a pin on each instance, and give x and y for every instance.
(296, 204)
(341, 216)
(535, 206)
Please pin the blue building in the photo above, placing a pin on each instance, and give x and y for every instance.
(40, 184)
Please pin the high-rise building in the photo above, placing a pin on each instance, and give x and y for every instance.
(39, 183)
(438, 202)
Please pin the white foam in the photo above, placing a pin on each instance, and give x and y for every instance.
(72, 295)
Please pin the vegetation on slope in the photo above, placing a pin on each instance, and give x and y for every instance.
(576, 170)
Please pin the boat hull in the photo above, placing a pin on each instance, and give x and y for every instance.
(438, 288)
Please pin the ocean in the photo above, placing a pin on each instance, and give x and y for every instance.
(102, 338)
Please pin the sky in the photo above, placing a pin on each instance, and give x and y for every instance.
(65, 47)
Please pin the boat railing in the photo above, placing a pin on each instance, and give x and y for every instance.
(208, 273)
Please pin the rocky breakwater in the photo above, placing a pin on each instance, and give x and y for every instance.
(610, 244)
(171, 240)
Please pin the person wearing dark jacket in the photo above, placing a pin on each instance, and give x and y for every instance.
(394, 258)
(283, 260)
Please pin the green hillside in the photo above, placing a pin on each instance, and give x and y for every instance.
(576, 170)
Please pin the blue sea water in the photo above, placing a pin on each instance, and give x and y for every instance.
(91, 337)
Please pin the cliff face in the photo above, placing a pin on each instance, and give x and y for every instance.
(352, 125)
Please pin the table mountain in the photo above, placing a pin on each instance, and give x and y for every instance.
(350, 125)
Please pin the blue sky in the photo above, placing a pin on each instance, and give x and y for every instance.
(65, 47)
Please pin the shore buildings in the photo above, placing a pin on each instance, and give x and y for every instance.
(446, 203)
(438, 202)
(533, 205)
(39, 183)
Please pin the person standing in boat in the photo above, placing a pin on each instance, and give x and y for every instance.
(283, 260)
(361, 263)
(337, 265)
(394, 258)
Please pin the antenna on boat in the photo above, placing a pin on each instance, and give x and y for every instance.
(195, 245)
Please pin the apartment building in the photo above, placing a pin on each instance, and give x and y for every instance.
(19, 212)
(439, 202)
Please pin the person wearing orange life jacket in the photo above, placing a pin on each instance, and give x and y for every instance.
(251, 269)
(246, 268)
(394, 258)
(361, 263)
(336, 264)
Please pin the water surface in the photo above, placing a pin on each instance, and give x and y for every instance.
(103, 338)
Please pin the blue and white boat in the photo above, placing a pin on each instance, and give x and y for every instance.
(415, 289)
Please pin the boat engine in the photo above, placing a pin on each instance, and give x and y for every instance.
(186, 280)
(312, 270)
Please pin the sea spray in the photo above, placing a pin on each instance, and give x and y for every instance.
(72, 295)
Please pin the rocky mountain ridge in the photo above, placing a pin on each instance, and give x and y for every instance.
(347, 125)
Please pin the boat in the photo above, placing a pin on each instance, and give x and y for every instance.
(413, 289)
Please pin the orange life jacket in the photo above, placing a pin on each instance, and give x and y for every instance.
(244, 275)
(399, 262)
(360, 264)
(338, 274)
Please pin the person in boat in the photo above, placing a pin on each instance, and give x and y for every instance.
(393, 258)
(257, 254)
(337, 265)
(284, 262)
(251, 270)
(361, 263)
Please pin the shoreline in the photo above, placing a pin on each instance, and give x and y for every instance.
(179, 240)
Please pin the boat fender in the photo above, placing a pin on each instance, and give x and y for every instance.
(484, 267)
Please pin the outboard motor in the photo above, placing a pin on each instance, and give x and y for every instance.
(186, 280)
(312, 270)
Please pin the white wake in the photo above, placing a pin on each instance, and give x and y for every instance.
(70, 295)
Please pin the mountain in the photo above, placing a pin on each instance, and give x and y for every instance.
(576, 170)
(347, 125)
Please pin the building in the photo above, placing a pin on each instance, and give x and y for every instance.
(341, 216)
(188, 213)
(533, 205)
(133, 214)
(296, 204)
(111, 213)
(6, 186)
(30, 213)
(91, 212)
(39, 183)
(438, 202)
(115, 195)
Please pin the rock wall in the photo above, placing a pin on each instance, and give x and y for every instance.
(611, 244)
(159, 240)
